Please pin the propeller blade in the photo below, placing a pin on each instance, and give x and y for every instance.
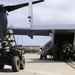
(14, 7)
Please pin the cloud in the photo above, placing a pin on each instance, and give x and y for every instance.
(55, 12)
(42, 14)
(45, 13)
(18, 18)
(53, 2)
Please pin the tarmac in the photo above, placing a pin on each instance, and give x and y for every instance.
(35, 66)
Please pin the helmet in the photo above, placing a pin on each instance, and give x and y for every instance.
(10, 32)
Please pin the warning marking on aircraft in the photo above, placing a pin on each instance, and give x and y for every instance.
(41, 72)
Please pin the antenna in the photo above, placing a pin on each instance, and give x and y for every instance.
(30, 13)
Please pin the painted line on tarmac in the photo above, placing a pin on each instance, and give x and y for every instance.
(71, 64)
(41, 72)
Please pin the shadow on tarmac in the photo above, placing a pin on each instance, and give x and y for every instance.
(6, 70)
(49, 60)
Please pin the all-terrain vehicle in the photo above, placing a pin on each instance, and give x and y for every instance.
(11, 55)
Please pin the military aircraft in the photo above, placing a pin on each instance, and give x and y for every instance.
(59, 33)
(3, 16)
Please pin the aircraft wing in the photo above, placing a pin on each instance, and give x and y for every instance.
(19, 31)
(54, 27)
(43, 30)
(47, 29)
(29, 32)
(14, 7)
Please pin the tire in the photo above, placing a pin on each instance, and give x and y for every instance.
(15, 62)
(22, 63)
(45, 56)
(1, 66)
(41, 56)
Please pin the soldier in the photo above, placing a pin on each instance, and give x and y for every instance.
(67, 49)
(9, 37)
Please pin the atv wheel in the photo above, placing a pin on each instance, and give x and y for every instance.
(15, 62)
(22, 63)
(1, 66)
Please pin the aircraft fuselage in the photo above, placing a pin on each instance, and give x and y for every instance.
(55, 47)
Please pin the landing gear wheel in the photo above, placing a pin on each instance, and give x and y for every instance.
(15, 62)
(45, 56)
(1, 66)
(22, 63)
(41, 56)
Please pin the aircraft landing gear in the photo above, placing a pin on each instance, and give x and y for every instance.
(42, 56)
(45, 56)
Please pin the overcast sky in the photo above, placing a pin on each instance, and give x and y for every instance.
(45, 13)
